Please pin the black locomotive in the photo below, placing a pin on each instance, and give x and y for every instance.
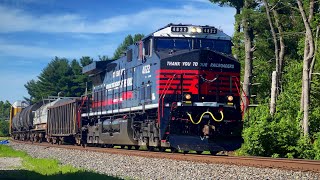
(177, 88)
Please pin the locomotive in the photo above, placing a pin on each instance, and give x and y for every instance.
(177, 88)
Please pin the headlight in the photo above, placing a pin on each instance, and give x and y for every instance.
(230, 98)
(187, 96)
(193, 29)
(198, 30)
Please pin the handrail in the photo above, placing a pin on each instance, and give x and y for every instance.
(248, 100)
(164, 92)
(83, 99)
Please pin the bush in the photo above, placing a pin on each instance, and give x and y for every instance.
(4, 128)
(316, 146)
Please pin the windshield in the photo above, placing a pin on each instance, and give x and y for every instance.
(193, 43)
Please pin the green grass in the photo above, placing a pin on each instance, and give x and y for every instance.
(4, 138)
(33, 168)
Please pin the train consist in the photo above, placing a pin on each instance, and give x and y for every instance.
(177, 88)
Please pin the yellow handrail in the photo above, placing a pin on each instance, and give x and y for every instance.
(207, 112)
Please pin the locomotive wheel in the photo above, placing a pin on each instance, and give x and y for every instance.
(199, 152)
(214, 152)
(122, 147)
(150, 148)
(185, 152)
(174, 150)
(129, 147)
(162, 149)
(136, 147)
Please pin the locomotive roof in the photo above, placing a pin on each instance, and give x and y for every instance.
(185, 30)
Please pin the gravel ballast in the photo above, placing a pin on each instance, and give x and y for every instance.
(7, 163)
(152, 168)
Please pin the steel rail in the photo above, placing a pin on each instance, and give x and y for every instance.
(251, 161)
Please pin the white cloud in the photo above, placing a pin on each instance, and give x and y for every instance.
(7, 49)
(15, 20)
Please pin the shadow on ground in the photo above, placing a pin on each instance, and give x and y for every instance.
(28, 175)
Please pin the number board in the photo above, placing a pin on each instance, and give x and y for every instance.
(210, 30)
(179, 29)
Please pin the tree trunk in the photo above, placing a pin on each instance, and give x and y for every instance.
(276, 53)
(248, 41)
(282, 49)
(273, 93)
(308, 56)
(314, 57)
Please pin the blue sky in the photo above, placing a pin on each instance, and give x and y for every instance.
(33, 32)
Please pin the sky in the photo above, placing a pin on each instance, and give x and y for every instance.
(33, 32)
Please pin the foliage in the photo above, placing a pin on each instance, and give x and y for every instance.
(280, 135)
(4, 128)
(128, 40)
(60, 75)
(4, 110)
(4, 115)
(33, 168)
(65, 77)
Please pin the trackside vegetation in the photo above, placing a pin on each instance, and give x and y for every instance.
(44, 169)
(281, 38)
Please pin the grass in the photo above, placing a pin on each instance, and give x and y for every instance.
(33, 168)
(4, 138)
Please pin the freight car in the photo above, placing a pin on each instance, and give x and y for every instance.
(177, 88)
(31, 122)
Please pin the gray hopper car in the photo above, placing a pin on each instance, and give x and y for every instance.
(63, 121)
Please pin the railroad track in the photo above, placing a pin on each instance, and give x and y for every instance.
(262, 162)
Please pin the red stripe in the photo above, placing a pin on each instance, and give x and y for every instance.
(125, 96)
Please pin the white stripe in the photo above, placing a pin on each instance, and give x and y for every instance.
(149, 106)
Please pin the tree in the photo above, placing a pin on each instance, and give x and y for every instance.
(309, 53)
(59, 76)
(4, 128)
(244, 10)
(4, 110)
(128, 40)
(238, 5)
(78, 80)
(278, 52)
(85, 60)
(104, 58)
(249, 49)
(137, 37)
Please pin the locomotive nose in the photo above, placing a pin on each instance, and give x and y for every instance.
(205, 75)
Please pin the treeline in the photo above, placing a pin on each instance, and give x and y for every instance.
(277, 43)
(4, 116)
(4, 110)
(64, 77)
(59, 77)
